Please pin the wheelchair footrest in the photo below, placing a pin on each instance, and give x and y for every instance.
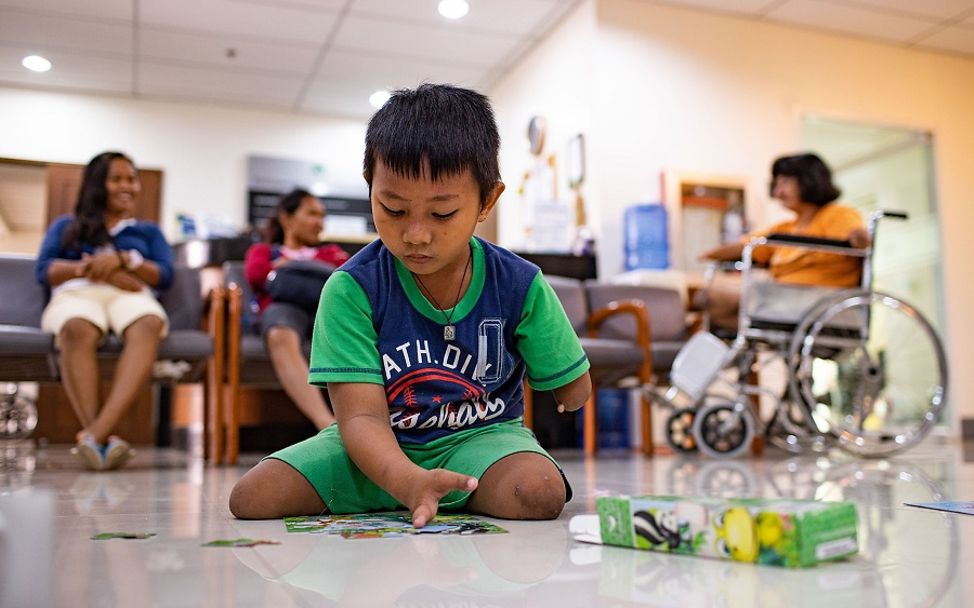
(698, 362)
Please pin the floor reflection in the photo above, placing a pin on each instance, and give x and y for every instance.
(908, 556)
(417, 570)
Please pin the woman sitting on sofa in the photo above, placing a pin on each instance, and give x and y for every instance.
(291, 234)
(103, 267)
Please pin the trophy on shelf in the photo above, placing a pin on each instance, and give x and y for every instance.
(584, 241)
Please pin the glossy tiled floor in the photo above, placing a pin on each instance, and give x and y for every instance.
(909, 557)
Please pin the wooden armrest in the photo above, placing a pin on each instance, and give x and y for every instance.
(214, 312)
(214, 299)
(235, 308)
(636, 308)
(235, 305)
(639, 311)
(214, 321)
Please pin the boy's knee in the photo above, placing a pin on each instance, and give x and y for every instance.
(540, 497)
(273, 489)
(239, 500)
(247, 502)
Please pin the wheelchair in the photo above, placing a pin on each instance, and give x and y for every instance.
(865, 370)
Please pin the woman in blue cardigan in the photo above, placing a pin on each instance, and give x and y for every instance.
(104, 269)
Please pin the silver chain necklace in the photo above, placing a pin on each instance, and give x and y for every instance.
(449, 330)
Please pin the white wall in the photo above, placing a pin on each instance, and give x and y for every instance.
(201, 149)
(555, 81)
(689, 91)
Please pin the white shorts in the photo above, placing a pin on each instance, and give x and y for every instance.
(104, 306)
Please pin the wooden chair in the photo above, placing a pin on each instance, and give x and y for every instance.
(613, 360)
(248, 364)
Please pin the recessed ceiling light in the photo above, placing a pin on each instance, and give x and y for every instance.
(453, 9)
(36, 63)
(379, 99)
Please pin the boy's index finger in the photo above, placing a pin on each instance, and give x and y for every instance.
(450, 480)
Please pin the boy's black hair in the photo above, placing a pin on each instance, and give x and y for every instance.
(450, 127)
(813, 175)
(288, 204)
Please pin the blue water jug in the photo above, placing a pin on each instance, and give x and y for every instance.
(646, 242)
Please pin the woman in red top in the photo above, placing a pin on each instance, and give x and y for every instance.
(291, 235)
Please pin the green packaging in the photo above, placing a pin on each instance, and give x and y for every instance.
(780, 532)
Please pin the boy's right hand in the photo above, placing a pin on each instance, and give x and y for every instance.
(428, 487)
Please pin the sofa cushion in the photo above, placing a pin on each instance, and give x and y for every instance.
(181, 344)
(23, 298)
(26, 341)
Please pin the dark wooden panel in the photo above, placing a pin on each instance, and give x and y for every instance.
(64, 183)
(563, 265)
(57, 423)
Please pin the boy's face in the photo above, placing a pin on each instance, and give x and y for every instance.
(428, 224)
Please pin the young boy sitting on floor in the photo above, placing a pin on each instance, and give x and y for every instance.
(423, 339)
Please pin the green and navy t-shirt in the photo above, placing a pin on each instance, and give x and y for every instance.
(374, 325)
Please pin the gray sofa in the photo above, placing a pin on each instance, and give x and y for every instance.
(627, 332)
(27, 354)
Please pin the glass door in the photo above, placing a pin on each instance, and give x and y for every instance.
(880, 167)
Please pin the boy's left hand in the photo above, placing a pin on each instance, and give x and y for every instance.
(573, 395)
(426, 490)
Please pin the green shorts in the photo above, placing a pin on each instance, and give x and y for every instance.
(323, 461)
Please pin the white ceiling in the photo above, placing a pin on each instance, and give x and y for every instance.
(328, 56)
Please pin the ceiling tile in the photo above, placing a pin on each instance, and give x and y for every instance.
(850, 19)
(71, 70)
(521, 17)
(342, 99)
(746, 7)
(258, 20)
(437, 43)
(213, 50)
(957, 38)
(218, 85)
(314, 5)
(106, 9)
(50, 32)
(385, 72)
(939, 9)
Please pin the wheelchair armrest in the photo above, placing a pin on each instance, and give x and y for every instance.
(839, 247)
(726, 266)
(797, 239)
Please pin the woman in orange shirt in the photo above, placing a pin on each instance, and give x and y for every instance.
(803, 185)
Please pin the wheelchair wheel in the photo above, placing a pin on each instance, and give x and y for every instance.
(679, 431)
(790, 429)
(871, 370)
(723, 429)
